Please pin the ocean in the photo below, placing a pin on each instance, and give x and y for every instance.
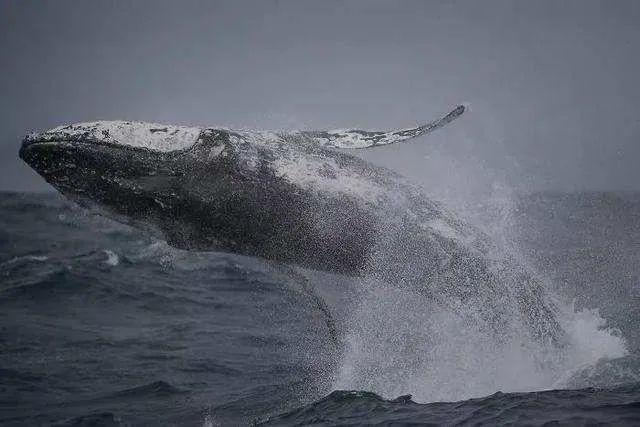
(103, 325)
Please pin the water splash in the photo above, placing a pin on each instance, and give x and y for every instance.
(400, 342)
(436, 347)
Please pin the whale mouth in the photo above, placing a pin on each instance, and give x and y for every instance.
(33, 147)
(43, 141)
(55, 160)
(47, 138)
(52, 154)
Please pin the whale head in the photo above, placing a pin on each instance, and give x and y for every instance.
(125, 170)
(84, 160)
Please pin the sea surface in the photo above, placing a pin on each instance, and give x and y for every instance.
(102, 325)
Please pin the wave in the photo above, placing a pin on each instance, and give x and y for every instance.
(396, 340)
(156, 388)
(23, 259)
(619, 406)
(103, 419)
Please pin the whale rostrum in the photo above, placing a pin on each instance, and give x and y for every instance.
(291, 198)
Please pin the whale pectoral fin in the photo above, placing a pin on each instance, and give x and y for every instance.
(303, 286)
(365, 139)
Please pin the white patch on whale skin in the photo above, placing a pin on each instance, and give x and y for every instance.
(354, 138)
(348, 139)
(152, 136)
(325, 174)
(306, 170)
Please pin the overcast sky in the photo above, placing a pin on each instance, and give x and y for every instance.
(553, 86)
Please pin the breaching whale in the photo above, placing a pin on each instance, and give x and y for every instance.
(292, 198)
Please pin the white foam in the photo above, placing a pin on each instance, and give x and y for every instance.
(325, 174)
(210, 419)
(112, 258)
(14, 260)
(591, 339)
(400, 342)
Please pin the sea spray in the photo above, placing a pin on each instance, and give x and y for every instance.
(437, 346)
(400, 342)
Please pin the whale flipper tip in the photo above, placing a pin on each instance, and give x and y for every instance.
(356, 138)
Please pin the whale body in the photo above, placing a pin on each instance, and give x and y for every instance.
(292, 198)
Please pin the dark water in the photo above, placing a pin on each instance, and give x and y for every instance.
(103, 325)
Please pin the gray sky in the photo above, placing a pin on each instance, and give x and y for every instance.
(553, 86)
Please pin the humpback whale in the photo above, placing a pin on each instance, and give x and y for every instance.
(295, 198)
